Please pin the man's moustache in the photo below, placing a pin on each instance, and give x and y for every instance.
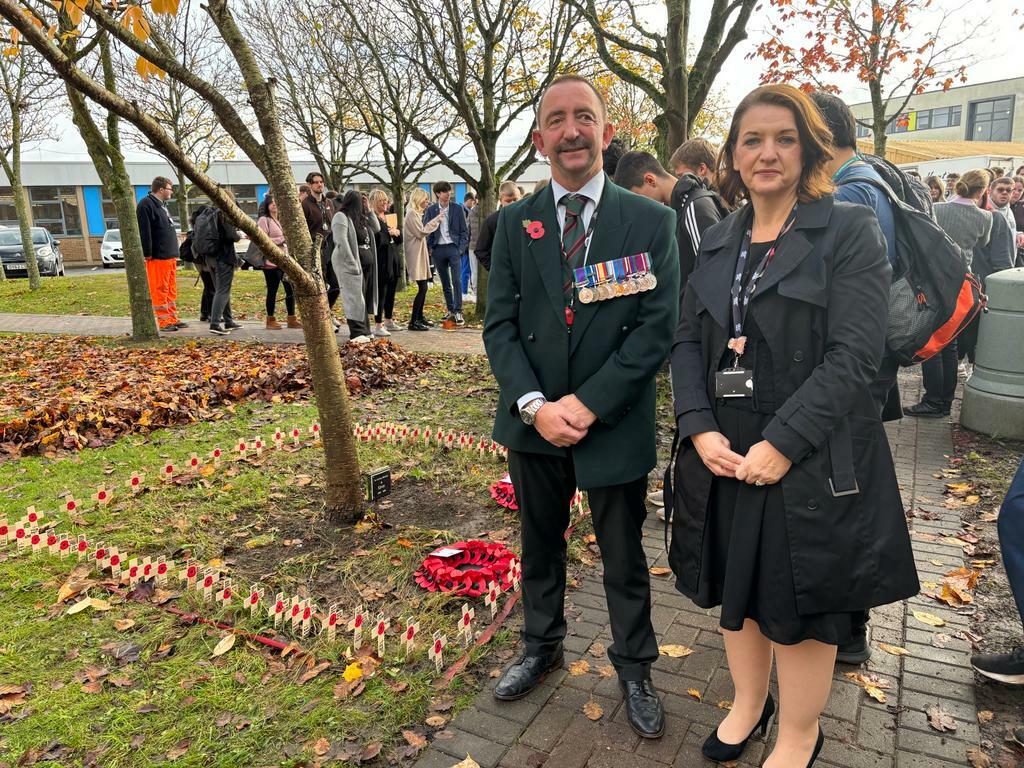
(571, 147)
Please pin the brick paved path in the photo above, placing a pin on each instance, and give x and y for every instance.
(548, 727)
(465, 341)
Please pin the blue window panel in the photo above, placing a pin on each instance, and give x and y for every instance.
(425, 186)
(141, 192)
(94, 211)
(460, 191)
(261, 192)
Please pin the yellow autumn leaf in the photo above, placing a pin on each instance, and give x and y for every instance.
(352, 672)
(695, 693)
(99, 605)
(895, 650)
(80, 606)
(226, 644)
(675, 651)
(578, 668)
(593, 710)
(929, 618)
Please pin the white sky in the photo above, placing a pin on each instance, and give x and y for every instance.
(996, 60)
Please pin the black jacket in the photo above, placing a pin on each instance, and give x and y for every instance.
(156, 230)
(229, 235)
(697, 210)
(485, 239)
(821, 307)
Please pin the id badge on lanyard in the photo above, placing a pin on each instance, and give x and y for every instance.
(736, 381)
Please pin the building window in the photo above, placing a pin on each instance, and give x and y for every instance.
(990, 120)
(56, 208)
(245, 198)
(110, 220)
(862, 131)
(8, 215)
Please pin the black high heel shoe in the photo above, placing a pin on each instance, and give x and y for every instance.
(717, 750)
(817, 746)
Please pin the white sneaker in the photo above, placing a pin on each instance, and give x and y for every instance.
(360, 340)
(379, 331)
(391, 325)
(657, 498)
(660, 512)
(469, 297)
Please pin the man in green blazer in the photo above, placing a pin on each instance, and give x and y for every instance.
(583, 300)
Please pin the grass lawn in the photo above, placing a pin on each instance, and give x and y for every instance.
(106, 294)
(135, 686)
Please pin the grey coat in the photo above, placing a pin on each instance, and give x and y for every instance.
(345, 260)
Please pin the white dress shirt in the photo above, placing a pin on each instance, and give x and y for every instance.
(592, 190)
(444, 236)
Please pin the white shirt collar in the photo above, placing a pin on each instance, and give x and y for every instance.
(592, 189)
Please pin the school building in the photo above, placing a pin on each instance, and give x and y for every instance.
(67, 198)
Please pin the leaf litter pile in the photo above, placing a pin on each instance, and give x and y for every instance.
(66, 393)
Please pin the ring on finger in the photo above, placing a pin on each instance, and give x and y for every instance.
(759, 482)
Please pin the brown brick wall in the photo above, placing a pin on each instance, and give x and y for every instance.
(74, 252)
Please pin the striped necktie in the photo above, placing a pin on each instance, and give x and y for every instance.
(574, 237)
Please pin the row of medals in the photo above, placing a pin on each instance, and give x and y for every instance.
(628, 287)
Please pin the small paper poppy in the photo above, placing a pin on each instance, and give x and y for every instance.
(535, 229)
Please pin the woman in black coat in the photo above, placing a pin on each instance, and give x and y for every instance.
(389, 264)
(786, 513)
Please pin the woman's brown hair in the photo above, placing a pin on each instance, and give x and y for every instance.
(972, 182)
(815, 144)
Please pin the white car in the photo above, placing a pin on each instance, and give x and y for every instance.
(110, 249)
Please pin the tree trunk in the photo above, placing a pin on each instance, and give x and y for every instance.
(487, 202)
(675, 80)
(183, 206)
(878, 118)
(115, 178)
(21, 209)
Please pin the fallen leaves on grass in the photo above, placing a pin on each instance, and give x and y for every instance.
(89, 602)
(11, 696)
(436, 721)
(593, 710)
(873, 685)
(675, 651)
(313, 671)
(68, 393)
(179, 749)
(940, 719)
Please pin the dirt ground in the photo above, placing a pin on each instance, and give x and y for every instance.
(990, 465)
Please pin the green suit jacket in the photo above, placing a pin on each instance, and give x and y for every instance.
(614, 349)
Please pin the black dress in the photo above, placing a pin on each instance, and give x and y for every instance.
(746, 547)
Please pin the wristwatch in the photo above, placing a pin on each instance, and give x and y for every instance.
(529, 411)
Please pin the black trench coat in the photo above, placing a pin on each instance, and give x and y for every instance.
(822, 307)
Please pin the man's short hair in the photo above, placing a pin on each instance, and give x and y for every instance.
(303, 188)
(692, 152)
(838, 118)
(632, 167)
(997, 172)
(570, 78)
(159, 183)
(313, 176)
(508, 188)
(441, 186)
(611, 155)
(1000, 181)
(469, 196)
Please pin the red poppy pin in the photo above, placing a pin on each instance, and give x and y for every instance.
(535, 229)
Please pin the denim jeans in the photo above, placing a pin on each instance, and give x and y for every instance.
(448, 262)
(1011, 537)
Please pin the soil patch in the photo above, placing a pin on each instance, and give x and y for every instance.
(990, 465)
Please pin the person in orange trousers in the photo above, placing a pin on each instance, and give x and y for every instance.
(160, 248)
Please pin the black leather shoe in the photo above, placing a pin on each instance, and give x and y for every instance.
(525, 675)
(182, 324)
(644, 712)
(418, 326)
(722, 752)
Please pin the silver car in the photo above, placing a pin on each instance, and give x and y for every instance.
(47, 253)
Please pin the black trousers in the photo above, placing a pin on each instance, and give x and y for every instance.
(387, 284)
(544, 487)
(419, 302)
(274, 278)
(330, 279)
(223, 277)
(939, 376)
(206, 302)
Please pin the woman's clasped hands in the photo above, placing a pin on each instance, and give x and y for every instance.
(763, 464)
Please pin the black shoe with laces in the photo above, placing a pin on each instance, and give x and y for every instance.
(644, 711)
(182, 324)
(525, 675)
(1002, 667)
(231, 325)
(219, 329)
(925, 410)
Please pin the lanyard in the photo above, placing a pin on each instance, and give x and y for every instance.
(740, 297)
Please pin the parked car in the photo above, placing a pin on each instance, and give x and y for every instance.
(47, 251)
(111, 253)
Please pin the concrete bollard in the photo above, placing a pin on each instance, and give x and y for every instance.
(994, 395)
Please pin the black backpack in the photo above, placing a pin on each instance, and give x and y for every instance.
(933, 298)
(911, 191)
(206, 236)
